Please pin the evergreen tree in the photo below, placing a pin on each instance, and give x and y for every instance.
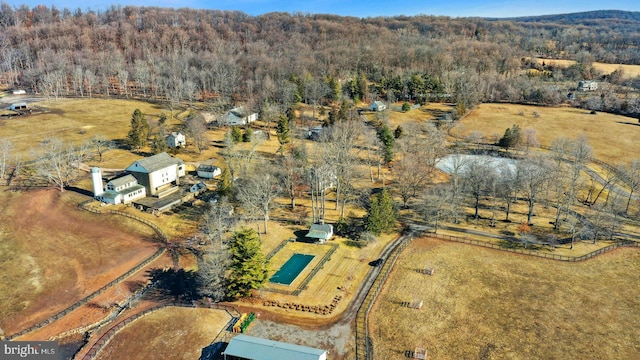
(236, 134)
(139, 131)
(248, 135)
(385, 136)
(282, 131)
(511, 138)
(397, 133)
(224, 183)
(381, 215)
(248, 266)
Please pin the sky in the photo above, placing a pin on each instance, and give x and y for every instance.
(370, 8)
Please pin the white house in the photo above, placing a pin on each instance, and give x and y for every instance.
(175, 140)
(378, 106)
(158, 173)
(208, 171)
(124, 189)
(587, 85)
(244, 347)
(238, 117)
(320, 232)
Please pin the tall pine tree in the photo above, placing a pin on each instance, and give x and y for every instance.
(248, 265)
(381, 215)
(282, 130)
(139, 131)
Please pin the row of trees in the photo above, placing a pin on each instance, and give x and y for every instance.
(280, 59)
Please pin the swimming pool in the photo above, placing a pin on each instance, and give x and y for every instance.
(291, 269)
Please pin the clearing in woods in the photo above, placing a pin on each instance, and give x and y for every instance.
(615, 145)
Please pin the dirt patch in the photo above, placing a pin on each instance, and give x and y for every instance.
(55, 254)
(171, 333)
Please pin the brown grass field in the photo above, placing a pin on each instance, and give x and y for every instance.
(629, 71)
(170, 333)
(53, 254)
(487, 304)
(84, 251)
(612, 137)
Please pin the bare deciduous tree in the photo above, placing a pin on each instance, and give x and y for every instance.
(5, 152)
(534, 175)
(196, 129)
(257, 194)
(417, 154)
(101, 145)
(58, 163)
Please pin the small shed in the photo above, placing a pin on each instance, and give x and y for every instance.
(198, 188)
(378, 106)
(320, 232)
(18, 106)
(208, 171)
(253, 348)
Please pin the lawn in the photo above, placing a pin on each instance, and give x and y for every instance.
(555, 122)
(488, 304)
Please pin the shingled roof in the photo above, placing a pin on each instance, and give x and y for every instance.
(154, 163)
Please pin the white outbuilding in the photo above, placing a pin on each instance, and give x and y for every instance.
(208, 171)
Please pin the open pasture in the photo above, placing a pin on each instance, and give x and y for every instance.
(52, 254)
(629, 71)
(169, 333)
(488, 304)
(75, 121)
(612, 137)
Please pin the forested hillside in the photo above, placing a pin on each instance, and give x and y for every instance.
(185, 54)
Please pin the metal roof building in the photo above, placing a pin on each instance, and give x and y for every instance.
(244, 347)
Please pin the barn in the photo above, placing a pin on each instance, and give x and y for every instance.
(244, 347)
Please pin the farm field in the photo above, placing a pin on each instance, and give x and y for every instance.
(170, 333)
(551, 123)
(73, 120)
(487, 304)
(630, 71)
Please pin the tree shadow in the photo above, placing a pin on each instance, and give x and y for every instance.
(213, 351)
(79, 191)
(181, 285)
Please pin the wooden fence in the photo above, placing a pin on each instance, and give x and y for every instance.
(107, 336)
(112, 283)
(364, 344)
(531, 252)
